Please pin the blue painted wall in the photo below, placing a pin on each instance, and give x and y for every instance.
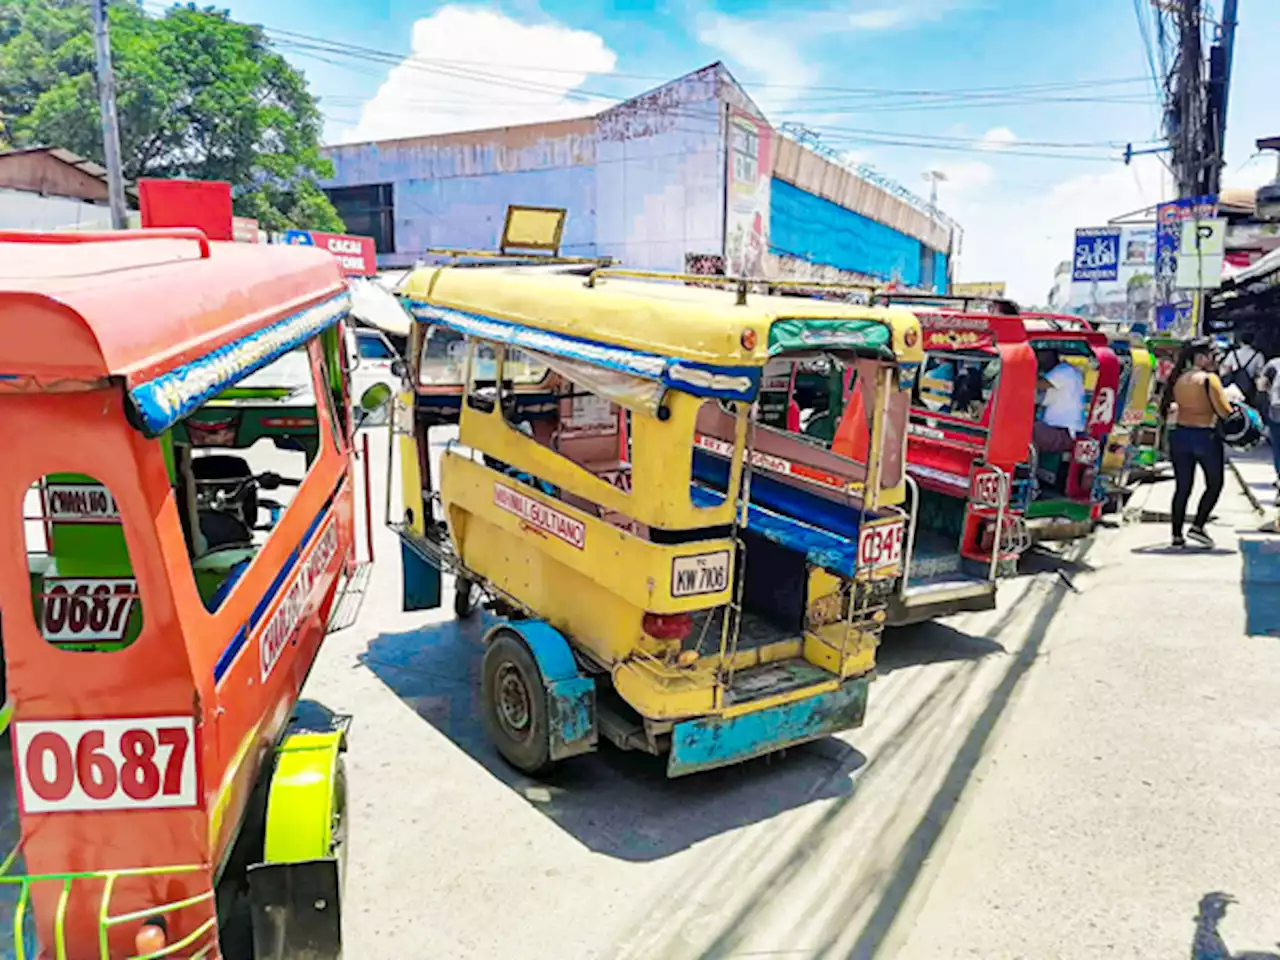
(807, 226)
(939, 273)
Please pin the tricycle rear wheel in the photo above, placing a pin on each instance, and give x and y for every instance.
(515, 704)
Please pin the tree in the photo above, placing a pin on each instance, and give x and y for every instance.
(197, 94)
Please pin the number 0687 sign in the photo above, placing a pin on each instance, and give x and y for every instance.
(69, 765)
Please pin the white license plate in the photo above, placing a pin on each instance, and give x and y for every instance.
(880, 546)
(87, 609)
(705, 573)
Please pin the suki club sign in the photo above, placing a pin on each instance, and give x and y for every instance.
(356, 255)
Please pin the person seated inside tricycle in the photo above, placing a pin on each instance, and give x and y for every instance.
(1060, 413)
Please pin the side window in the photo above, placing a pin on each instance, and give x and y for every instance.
(579, 424)
(482, 376)
(955, 385)
(373, 347)
(84, 594)
(442, 362)
(240, 459)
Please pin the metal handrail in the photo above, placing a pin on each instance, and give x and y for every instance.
(914, 489)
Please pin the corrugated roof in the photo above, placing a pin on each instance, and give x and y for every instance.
(83, 164)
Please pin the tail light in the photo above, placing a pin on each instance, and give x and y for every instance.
(667, 626)
(152, 937)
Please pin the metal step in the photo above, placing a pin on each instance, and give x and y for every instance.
(770, 679)
(351, 594)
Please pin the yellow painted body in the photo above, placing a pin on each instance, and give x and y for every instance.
(1141, 383)
(595, 581)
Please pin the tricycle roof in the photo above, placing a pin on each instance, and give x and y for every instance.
(139, 304)
(642, 325)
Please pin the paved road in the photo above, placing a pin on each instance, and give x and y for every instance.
(1065, 777)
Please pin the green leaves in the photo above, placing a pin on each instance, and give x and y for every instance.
(197, 95)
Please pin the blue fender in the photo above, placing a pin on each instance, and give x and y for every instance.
(571, 697)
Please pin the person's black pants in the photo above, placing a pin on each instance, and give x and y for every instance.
(1189, 446)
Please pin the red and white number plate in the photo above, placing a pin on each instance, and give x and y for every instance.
(68, 765)
(1087, 450)
(880, 546)
(86, 609)
(985, 491)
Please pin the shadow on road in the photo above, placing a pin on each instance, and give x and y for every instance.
(933, 642)
(616, 803)
(889, 887)
(1166, 548)
(1207, 944)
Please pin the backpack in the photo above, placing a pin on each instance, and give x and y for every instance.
(1241, 378)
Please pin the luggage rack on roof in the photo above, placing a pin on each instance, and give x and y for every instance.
(999, 305)
(504, 259)
(742, 285)
(1057, 321)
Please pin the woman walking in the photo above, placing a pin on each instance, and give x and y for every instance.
(1198, 399)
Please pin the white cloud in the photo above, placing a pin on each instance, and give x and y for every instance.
(1019, 235)
(766, 52)
(962, 177)
(998, 138)
(459, 77)
(885, 19)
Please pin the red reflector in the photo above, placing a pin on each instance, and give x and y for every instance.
(667, 626)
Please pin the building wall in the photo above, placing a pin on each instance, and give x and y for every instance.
(647, 182)
(23, 210)
(660, 175)
(454, 190)
(814, 229)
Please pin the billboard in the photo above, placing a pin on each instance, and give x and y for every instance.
(749, 174)
(204, 204)
(1097, 254)
(993, 290)
(1123, 290)
(1173, 310)
(356, 255)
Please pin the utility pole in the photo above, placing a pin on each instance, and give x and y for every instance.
(107, 103)
(1220, 56)
(934, 177)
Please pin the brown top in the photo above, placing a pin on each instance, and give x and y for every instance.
(1192, 399)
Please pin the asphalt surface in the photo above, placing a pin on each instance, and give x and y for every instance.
(1070, 775)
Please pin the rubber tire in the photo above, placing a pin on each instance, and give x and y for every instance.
(464, 604)
(533, 754)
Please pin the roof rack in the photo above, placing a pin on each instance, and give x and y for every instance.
(742, 285)
(1059, 321)
(517, 258)
(999, 305)
(109, 236)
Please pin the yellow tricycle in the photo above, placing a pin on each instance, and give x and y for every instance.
(600, 500)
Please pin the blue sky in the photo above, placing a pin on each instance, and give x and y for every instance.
(833, 66)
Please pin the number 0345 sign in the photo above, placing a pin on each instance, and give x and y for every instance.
(70, 765)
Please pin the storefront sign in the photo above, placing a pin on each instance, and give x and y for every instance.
(356, 255)
(1097, 254)
(1173, 309)
(750, 174)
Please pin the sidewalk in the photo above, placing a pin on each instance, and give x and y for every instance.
(1137, 774)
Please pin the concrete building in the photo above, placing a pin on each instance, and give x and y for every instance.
(688, 177)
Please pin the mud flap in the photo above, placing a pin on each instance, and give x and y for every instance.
(421, 580)
(296, 910)
(717, 742)
(571, 697)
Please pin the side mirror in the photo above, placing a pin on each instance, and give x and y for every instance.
(377, 396)
(399, 368)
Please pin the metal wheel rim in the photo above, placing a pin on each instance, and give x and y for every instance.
(514, 705)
